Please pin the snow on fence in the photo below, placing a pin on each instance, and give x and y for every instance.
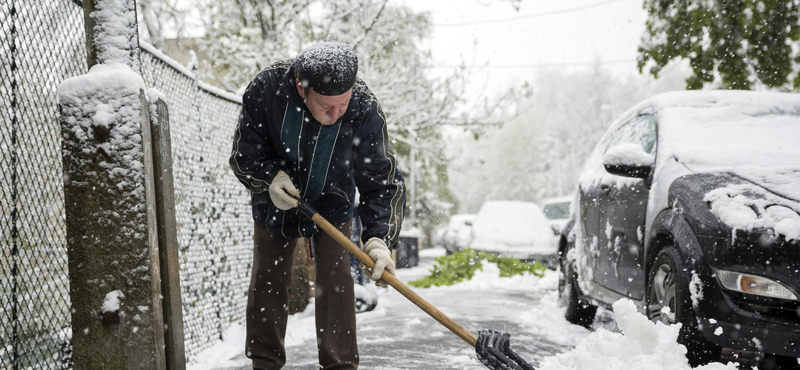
(44, 44)
(212, 208)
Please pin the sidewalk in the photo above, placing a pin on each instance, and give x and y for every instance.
(398, 335)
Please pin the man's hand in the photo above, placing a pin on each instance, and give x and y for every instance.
(379, 252)
(278, 195)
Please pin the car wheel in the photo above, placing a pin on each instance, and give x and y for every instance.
(579, 312)
(669, 301)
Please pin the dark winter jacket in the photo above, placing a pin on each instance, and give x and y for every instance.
(276, 131)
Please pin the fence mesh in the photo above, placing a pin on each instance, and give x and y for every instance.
(212, 208)
(43, 43)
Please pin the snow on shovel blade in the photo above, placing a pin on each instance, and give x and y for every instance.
(494, 351)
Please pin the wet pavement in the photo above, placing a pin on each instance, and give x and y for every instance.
(398, 335)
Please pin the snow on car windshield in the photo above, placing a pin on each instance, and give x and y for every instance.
(730, 129)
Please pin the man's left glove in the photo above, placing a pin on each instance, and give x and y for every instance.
(379, 253)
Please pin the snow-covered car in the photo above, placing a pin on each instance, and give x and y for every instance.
(459, 232)
(690, 207)
(513, 229)
(556, 210)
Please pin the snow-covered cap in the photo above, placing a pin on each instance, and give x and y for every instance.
(328, 68)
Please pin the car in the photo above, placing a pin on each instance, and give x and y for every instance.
(690, 207)
(514, 229)
(556, 210)
(459, 232)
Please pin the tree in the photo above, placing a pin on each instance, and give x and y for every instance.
(244, 36)
(744, 42)
(541, 152)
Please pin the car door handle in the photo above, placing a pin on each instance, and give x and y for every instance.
(605, 188)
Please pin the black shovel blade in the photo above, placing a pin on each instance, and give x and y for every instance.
(494, 351)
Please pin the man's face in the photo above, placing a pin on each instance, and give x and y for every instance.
(325, 109)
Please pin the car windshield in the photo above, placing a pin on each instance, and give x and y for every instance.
(728, 137)
(556, 211)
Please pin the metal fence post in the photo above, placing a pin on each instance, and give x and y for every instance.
(14, 230)
(110, 203)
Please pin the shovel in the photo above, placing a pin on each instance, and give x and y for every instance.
(493, 347)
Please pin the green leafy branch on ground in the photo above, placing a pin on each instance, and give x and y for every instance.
(462, 265)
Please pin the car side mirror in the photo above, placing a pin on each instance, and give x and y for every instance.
(628, 160)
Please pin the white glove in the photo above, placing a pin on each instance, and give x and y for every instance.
(277, 194)
(379, 253)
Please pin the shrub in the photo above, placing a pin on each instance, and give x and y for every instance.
(462, 265)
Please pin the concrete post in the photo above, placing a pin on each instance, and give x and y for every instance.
(112, 242)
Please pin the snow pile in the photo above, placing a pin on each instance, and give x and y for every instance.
(115, 32)
(111, 301)
(641, 345)
(510, 227)
(628, 154)
(749, 207)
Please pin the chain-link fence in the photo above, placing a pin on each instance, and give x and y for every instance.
(43, 43)
(212, 208)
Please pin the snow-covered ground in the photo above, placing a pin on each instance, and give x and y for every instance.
(397, 335)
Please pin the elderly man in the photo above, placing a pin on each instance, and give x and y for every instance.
(309, 128)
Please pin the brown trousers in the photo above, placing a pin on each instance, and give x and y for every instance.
(268, 301)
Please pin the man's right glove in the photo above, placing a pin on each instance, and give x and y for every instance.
(277, 194)
(379, 253)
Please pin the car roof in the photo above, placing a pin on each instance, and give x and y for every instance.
(564, 199)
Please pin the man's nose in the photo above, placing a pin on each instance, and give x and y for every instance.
(337, 112)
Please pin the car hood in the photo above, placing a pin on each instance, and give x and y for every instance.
(755, 198)
(781, 181)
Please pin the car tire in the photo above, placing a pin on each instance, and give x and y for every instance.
(579, 311)
(668, 286)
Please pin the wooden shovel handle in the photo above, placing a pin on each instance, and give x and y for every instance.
(394, 282)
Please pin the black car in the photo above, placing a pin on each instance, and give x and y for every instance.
(690, 207)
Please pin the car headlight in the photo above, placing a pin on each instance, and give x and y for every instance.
(753, 284)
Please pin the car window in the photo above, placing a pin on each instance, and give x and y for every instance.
(641, 130)
(556, 211)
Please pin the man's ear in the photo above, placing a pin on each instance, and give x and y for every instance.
(299, 86)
